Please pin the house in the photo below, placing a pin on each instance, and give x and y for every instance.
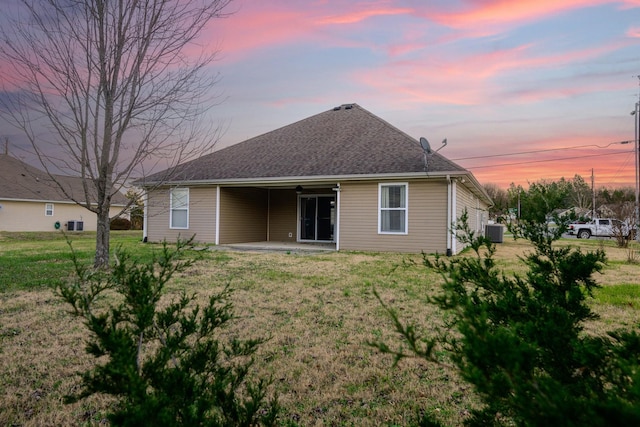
(344, 176)
(30, 200)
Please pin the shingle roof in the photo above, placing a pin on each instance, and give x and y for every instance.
(343, 141)
(20, 181)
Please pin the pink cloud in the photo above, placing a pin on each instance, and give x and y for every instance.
(633, 32)
(363, 14)
(472, 79)
(255, 26)
(251, 29)
(481, 13)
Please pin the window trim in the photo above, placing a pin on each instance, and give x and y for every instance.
(172, 208)
(46, 209)
(382, 185)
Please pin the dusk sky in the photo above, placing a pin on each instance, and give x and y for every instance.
(494, 77)
(523, 90)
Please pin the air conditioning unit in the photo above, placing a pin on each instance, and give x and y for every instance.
(75, 225)
(494, 232)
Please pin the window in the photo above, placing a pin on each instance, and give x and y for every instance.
(179, 213)
(48, 209)
(392, 213)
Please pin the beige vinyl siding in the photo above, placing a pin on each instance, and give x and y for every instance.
(30, 216)
(475, 209)
(202, 215)
(283, 215)
(243, 215)
(427, 223)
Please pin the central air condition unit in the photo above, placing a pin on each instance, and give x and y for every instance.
(494, 232)
(75, 225)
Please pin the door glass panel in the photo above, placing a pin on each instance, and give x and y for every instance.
(326, 207)
(317, 217)
(308, 218)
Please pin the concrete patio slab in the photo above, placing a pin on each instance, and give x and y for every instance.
(292, 247)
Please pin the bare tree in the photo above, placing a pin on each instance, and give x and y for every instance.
(500, 198)
(580, 195)
(103, 89)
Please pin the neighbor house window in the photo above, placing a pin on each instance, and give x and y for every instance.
(179, 213)
(48, 209)
(392, 211)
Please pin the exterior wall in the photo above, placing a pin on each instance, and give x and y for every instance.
(30, 216)
(202, 215)
(243, 215)
(283, 215)
(256, 214)
(427, 222)
(476, 209)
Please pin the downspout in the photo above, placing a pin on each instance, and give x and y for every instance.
(449, 221)
(145, 224)
(336, 236)
(217, 242)
(479, 225)
(454, 218)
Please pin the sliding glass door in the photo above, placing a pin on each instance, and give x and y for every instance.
(317, 218)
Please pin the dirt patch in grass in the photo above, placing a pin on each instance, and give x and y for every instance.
(318, 311)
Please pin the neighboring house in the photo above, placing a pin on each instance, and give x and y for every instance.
(31, 201)
(343, 176)
(578, 212)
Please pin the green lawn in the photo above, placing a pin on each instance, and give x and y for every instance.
(40, 260)
(318, 311)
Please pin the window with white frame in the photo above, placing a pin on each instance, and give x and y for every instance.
(392, 212)
(48, 209)
(179, 212)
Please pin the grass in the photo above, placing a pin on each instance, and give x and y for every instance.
(318, 311)
(38, 260)
(621, 295)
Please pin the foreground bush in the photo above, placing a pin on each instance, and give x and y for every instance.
(164, 363)
(519, 341)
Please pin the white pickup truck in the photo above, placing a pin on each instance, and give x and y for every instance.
(599, 227)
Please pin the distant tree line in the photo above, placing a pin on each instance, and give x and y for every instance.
(566, 194)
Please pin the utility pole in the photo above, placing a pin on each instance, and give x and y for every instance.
(637, 156)
(593, 195)
(636, 117)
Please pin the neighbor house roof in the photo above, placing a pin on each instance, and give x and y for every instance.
(20, 181)
(346, 141)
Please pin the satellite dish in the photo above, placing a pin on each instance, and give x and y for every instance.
(425, 145)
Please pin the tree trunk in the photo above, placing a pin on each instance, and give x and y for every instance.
(102, 239)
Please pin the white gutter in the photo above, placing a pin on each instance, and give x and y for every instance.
(318, 180)
(58, 202)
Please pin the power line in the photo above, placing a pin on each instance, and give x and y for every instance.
(548, 160)
(543, 151)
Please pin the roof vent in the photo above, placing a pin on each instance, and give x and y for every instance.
(348, 106)
(336, 108)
